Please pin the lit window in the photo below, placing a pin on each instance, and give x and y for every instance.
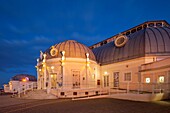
(127, 77)
(161, 79)
(148, 80)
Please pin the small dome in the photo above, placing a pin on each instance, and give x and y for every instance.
(20, 77)
(72, 48)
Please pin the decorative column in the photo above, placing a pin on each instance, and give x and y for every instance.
(38, 75)
(87, 65)
(167, 80)
(153, 82)
(45, 70)
(62, 68)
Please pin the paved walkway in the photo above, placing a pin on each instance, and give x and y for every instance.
(101, 105)
(7, 101)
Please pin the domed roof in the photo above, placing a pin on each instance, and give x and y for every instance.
(73, 49)
(148, 41)
(20, 77)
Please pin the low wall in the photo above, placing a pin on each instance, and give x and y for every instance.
(141, 97)
(74, 93)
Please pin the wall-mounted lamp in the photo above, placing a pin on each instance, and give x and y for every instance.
(52, 67)
(105, 72)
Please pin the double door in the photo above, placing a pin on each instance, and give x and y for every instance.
(76, 79)
(116, 79)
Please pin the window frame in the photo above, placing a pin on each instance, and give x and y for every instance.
(124, 76)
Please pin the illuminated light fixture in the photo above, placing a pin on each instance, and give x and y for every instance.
(39, 69)
(44, 55)
(37, 59)
(51, 76)
(105, 73)
(52, 67)
(147, 80)
(62, 58)
(87, 54)
(63, 63)
(63, 55)
(25, 79)
(44, 60)
(161, 79)
(87, 59)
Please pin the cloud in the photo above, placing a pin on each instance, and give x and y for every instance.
(20, 53)
(88, 40)
(15, 29)
(19, 42)
(38, 48)
(42, 39)
(15, 42)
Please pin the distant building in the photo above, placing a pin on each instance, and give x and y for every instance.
(18, 81)
(136, 59)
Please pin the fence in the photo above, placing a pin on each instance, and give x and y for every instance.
(86, 91)
(142, 87)
(26, 87)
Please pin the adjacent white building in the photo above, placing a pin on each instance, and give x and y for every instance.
(19, 81)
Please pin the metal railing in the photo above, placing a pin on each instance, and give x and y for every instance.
(28, 86)
(140, 88)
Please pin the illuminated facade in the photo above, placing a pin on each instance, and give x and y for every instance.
(18, 81)
(115, 63)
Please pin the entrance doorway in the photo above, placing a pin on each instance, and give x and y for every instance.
(106, 81)
(76, 79)
(54, 83)
(116, 79)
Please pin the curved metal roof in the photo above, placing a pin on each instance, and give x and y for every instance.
(148, 41)
(73, 49)
(19, 77)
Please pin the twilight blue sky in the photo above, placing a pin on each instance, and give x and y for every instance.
(28, 26)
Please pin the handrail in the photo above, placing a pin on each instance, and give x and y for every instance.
(26, 87)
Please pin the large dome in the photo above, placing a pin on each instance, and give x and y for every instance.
(146, 42)
(72, 48)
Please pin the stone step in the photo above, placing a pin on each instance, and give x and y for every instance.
(38, 94)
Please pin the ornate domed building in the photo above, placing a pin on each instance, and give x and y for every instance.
(131, 60)
(67, 65)
(18, 81)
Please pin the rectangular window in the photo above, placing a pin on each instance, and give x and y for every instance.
(161, 79)
(127, 77)
(147, 80)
